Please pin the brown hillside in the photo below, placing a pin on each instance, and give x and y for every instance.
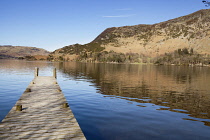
(21, 51)
(190, 31)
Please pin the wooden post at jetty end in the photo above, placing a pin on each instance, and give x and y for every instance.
(54, 73)
(36, 72)
(41, 113)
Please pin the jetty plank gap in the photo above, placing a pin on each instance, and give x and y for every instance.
(42, 112)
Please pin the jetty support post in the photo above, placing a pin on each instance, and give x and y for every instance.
(36, 73)
(19, 108)
(65, 105)
(54, 73)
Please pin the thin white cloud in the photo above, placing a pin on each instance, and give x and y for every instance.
(124, 9)
(119, 16)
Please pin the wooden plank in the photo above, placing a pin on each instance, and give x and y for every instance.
(44, 114)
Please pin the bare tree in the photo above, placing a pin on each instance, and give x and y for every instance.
(206, 3)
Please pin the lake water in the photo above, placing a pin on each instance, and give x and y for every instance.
(122, 101)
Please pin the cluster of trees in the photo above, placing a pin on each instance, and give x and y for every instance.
(112, 56)
(30, 58)
(78, 48)
(183, 57)
(105, 56)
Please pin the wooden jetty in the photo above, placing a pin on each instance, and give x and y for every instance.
(42, 113)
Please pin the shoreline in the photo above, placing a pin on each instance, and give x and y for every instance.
(188, 65)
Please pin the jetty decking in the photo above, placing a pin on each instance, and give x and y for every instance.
(42, 112)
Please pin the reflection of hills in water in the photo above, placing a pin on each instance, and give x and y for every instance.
(178, 89)
(21, 65)
(26, 67)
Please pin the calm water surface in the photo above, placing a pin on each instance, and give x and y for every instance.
(122, 102)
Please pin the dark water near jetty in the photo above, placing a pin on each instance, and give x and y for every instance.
(122, 102)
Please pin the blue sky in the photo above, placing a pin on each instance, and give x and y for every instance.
(53, 24)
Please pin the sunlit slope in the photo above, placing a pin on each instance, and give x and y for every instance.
(190, 31)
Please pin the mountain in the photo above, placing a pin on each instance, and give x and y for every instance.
(143, 42)
(8, 51)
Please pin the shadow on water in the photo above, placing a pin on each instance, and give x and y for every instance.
(174, 88)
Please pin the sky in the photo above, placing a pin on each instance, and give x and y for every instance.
(53, 24)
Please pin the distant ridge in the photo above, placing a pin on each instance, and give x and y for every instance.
(9, 51)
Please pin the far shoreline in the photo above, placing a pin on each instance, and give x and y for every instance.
(186, 65)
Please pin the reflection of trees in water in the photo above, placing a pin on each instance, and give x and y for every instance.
(181, 74)
(135, 83)
(188, 102)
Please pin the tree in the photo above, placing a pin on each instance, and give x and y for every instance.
(185, 51)
(206, 3)
(179, 51)
(191, 51)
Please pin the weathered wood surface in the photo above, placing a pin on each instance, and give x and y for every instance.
(44, 115)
